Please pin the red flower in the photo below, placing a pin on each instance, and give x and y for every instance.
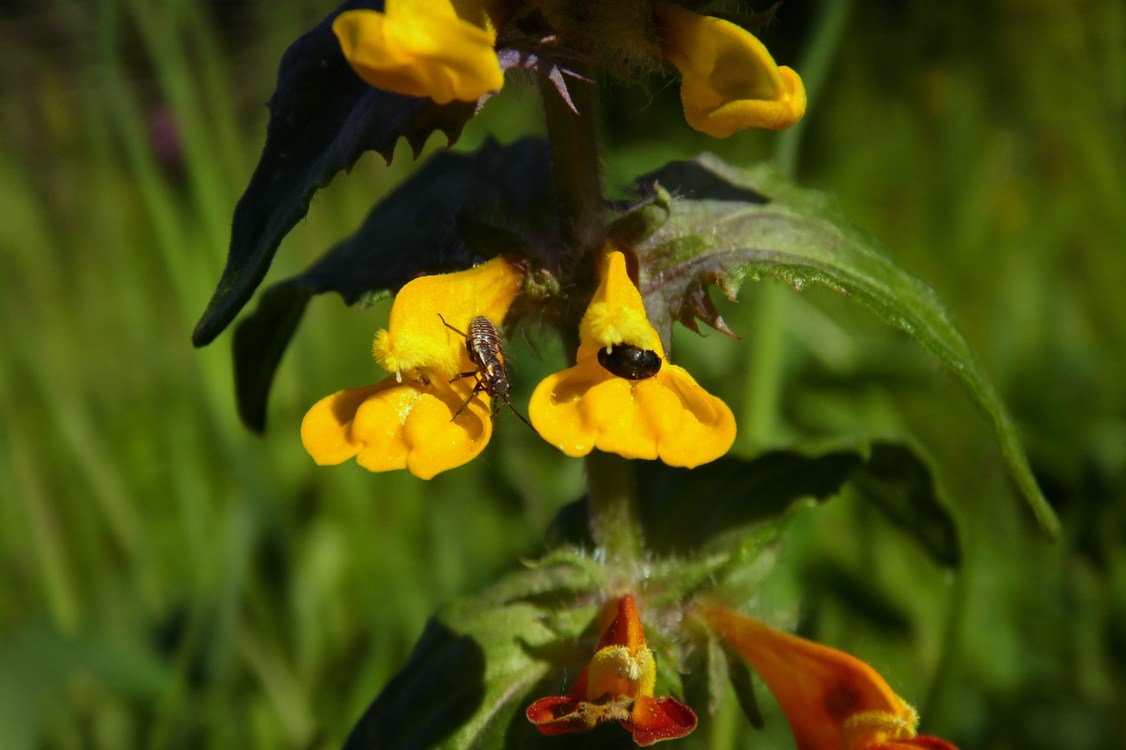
(617, 685)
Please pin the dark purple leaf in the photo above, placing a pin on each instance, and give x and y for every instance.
(323, 117)
(443, 218)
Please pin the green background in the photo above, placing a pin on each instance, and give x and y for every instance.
(172, 580)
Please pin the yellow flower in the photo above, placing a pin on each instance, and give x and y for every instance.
(833, 701)
(729, 81)
(392, 425)
(423, 48)
(617, 685)
(406, 421)
(621, 396)
(416, 338)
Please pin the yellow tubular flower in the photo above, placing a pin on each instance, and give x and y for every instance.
(423, 48)
(729, 81)
(416, 337)
(833, 701)
(406, 421)
(664, 415)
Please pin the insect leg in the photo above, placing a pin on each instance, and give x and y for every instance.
(473, 394)
(511, 408)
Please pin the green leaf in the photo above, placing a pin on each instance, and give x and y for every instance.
(481, 662)
(897, 480)
(323, 117)
(716, 237)
(712, 508)
(685, 510)
(477, 667)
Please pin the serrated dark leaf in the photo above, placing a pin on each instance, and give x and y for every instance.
(323, 117)
(685, 509)
(416, 230)
(259, 342)
(688, 510)
(900, 484)
(696, 304)
(698, 180)
(716, 237)
(640, 220)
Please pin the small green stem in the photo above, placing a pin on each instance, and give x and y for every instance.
(615, 524)
(814, 68)
(612, 502)
(575, 162)
(765, 367)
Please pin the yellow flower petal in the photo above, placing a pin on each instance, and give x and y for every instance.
(620, 425)
(416, 336)
(554, 409)
(394, 425)
(326, 430)
(729, 81)
(421, 48)
(706, 427)
(616, 314)
(833, 701)
(668, 416)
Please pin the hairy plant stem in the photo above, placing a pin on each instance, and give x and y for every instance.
(612, 499)
(615, 524)
(573, 139)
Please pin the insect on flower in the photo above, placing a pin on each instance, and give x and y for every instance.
(629, 361)
(483, 343)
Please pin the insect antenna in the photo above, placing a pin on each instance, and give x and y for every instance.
(455, 330)
(515, 411)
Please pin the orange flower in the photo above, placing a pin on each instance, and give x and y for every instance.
(833, 701)
(617, 685)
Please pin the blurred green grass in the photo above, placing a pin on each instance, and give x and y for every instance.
(170, 580)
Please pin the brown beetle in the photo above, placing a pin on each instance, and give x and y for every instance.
(486, 351)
